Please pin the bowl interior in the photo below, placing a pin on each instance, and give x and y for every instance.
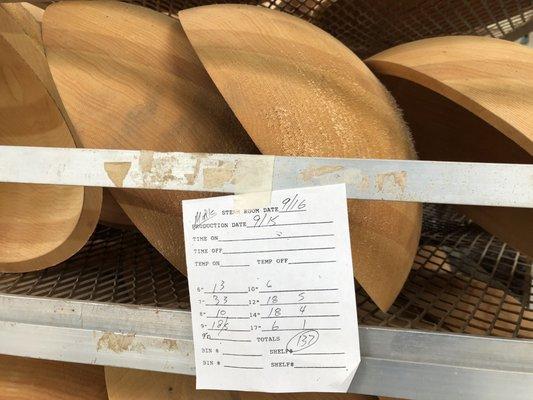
(34, 219)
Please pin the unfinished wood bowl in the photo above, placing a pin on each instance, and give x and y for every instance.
(298, 91)
(22, 29)
(112, 214)
(40, 225)
(126, 384)
(468, 99)
(128, 87)
(28, 17)
(32, 379)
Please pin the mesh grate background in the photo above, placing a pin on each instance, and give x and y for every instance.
(370, 26)
(463, 280)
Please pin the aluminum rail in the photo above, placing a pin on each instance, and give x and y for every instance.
(395, 362)
(508, 185)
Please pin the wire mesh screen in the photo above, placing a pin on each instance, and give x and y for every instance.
(463, 280)
(114, 266)
(370, 26)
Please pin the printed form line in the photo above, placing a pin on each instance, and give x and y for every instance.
(297, 290)
(321, 367)
(301, 303)
(242, 355)
(275, 237)
(303, 316)
(313, 262)
(292, 224)
(241, 367)
(300, 329)
(235, 265)
(226, 292)
(277, 250)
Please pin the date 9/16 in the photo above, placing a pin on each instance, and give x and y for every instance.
(288, 204)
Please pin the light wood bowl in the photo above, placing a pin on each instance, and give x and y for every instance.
(468, 99)
(40, 225)
(126, 384)
(130, 80)
(298, 91)
(32, 379)
(112, 214)
(29, 18)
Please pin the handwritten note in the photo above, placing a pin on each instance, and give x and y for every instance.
(272, 292)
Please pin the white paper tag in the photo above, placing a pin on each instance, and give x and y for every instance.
(272, 292)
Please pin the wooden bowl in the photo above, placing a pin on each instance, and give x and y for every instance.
(21, 27)
(32, 379)
(40, 225)
(29, 18)
(125, 384)
(468, 99)
(112, 214)
(128, 87)
(298, 91)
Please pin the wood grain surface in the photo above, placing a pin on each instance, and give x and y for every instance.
(129, 384)
(468, 99)
(22, 31)
(40, 225)
(28, 17)
(112, 214)
(130, 88)
(33, 379)
(300, 92)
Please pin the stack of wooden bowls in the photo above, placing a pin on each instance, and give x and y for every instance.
(241, 79)
(225, 79)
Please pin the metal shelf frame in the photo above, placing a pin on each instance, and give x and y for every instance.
(395, 362)
(120, 303)
(89, 311)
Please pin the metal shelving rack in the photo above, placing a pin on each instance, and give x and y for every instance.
(460, 327)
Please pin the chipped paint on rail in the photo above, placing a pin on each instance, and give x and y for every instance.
(119, 342)
(396, 180)
(313, 172)
(117, 171)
